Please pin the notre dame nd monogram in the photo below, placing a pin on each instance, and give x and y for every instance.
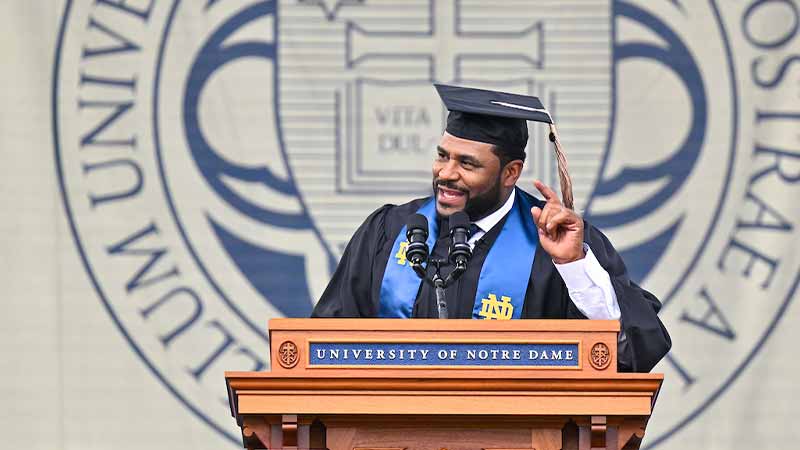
(401, 253)
(492, 308)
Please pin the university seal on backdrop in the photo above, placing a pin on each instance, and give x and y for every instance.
(215, 157)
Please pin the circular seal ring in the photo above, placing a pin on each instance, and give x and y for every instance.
(600, 356)
(288, 354)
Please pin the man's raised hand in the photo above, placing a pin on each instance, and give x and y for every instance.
(560, 228)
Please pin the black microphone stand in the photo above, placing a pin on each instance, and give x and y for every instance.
(441, 304)
(440, 284)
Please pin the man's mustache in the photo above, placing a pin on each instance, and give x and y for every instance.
(449, 185)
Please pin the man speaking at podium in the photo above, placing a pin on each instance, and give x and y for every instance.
(530, 258)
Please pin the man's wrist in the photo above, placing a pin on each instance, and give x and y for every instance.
(578, 256)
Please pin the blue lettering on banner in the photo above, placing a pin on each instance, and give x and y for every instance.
(443, 354)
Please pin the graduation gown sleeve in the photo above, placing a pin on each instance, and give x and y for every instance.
(351, 290)
(646, 340)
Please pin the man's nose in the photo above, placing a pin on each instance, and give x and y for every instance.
(449, 171)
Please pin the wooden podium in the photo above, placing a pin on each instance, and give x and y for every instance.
(393, 384)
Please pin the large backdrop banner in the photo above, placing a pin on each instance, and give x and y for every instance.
(175, 173)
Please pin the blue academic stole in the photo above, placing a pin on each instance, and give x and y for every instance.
(504, 276)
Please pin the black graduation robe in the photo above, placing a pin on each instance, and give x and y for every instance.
(354, 289)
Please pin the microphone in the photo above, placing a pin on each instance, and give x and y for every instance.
(460, 253)
(417, 235)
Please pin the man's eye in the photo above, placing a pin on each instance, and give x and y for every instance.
(441, 157)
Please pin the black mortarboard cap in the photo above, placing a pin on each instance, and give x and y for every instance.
(498, 118)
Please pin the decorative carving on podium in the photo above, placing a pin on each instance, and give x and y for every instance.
(289, 429)
(598, 430)
(255, 432)
(288, 355)
(600, 356)
(631, 433)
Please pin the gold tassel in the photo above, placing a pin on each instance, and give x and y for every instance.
(563, 173)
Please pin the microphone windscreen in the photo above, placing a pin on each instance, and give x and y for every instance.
(417, 221)
(459, 219)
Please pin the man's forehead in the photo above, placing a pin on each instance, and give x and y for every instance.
(451, 143)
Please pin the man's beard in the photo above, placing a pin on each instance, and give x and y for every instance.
(476, 207)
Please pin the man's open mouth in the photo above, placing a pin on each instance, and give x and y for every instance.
(448, 195)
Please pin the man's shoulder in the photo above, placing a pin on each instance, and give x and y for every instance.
(531, 198)
(406, 209)
(391, 218)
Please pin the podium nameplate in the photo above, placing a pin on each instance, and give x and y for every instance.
(421, 353)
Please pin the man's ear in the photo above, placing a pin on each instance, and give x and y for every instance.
(511, 173)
